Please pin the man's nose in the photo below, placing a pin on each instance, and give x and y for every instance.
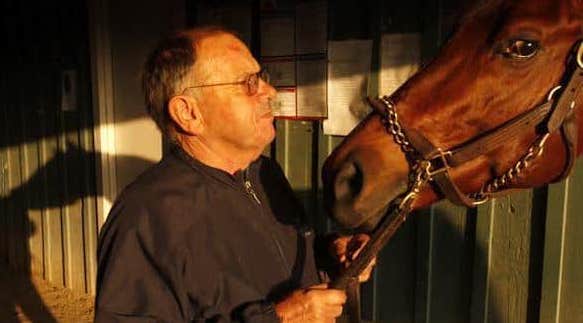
(266, 89)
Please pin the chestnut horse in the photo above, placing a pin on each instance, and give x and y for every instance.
(486, 115)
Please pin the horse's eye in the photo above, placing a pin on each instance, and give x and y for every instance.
(519, 49)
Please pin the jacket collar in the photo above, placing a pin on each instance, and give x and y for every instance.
(236, 179)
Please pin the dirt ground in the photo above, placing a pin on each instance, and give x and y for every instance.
(35, 300)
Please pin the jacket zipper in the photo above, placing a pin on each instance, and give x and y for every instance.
(249, 189)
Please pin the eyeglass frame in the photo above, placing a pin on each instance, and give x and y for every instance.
(261, 74)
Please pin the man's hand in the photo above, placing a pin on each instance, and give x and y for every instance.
(347, 248)
(316, 304)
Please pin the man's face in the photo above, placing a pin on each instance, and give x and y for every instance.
(238, 122)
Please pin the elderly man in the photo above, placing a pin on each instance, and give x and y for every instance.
(212, 233)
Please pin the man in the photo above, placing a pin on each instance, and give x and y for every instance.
(213, 232)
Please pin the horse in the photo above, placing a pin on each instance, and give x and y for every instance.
(498, 109)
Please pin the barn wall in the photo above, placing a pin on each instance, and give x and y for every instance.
(48, 223)
(513, 259)
(55, 184)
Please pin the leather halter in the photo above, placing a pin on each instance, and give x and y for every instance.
(556, 114)
(433, 164)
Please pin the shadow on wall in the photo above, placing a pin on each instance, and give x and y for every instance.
(44, 229)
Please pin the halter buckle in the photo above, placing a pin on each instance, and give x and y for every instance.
(438, 163)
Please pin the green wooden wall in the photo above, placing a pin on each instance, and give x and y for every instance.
(48, 219)
(514, 259)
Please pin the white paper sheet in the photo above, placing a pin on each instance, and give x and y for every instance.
(348, 74)
(400, 58)
(282, 72)
(284, 104)
(311, 87)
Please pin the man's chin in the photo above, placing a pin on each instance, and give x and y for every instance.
(268, 135)
(268, 117)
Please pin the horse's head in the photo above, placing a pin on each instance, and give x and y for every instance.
(503, 60)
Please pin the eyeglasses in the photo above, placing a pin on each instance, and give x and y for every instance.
(251, 82)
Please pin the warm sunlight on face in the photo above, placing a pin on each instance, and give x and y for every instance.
(232, 118)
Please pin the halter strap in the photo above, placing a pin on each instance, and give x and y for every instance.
(546, 119)
(552, 115)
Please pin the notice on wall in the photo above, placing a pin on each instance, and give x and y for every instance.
(277, 36)
(284, 104)
(311, 88)
(348, 74)
(311, 27)
(282, 71)
(400, 58)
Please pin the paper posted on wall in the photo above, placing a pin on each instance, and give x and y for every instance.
(282, 71)
(306, 97)
(311, 87)
(284, 104)
(400, 58)
(348, 75)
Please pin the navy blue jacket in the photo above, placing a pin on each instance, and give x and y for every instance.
(188, 242)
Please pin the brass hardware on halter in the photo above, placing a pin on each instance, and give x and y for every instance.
(421, 175)
(439, 163)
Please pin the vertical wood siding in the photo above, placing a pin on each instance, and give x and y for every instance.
(515, 259)
(47, 186)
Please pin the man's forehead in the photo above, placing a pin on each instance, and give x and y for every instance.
(223, 51)
(223, 43)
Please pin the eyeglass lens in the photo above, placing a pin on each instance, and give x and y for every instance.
(253, 81)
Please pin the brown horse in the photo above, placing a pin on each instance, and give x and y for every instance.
(470, 113)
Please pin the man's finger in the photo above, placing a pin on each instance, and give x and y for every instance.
(365, 275)
(326, 313)
(328, 296)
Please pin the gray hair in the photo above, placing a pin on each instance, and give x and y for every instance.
(165, 69)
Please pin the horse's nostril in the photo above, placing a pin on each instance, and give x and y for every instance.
(349, 181)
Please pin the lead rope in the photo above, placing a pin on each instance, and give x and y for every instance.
(348, 279)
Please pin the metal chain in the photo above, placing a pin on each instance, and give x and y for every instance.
(421, 171)
(495, 184)
(391, 123)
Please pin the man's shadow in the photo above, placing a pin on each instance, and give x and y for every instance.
(33, 199)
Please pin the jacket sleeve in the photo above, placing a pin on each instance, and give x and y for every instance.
(142, 278)
(133, 282)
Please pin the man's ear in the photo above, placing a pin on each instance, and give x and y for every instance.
(185, 113)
